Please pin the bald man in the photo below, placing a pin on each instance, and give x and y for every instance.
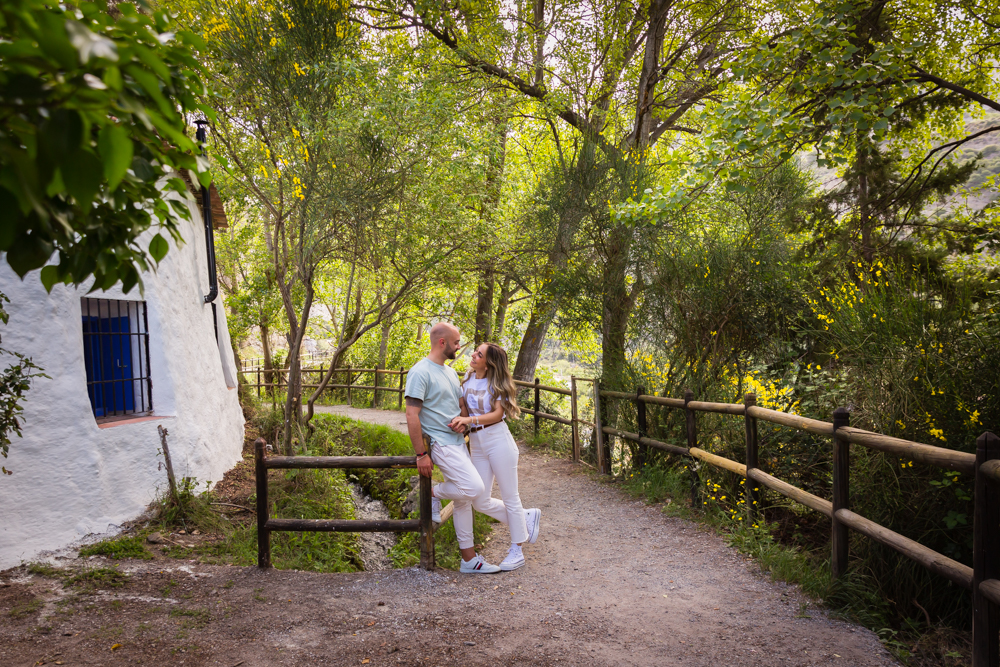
(432, 395)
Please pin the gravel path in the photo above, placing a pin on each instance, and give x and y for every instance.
(610, 581)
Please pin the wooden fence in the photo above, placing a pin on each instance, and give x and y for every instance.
(982, 579)
(280, 375)
(266, 525)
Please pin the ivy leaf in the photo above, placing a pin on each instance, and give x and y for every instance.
(49, 276)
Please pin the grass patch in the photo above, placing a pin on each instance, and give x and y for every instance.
(119, 547)
(45, 570)
(191, 619)
(99, 577)
(23, 609)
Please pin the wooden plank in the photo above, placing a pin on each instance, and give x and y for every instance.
(991, 590)
(642, 456)
(718, 461)
(546, 415)
(991, 470)
(573, 419)
(948, 459)
(932, 560)
(822, 506)
(345, 525)
(795, 421)
(649, 442)
(426, 525)
(723, 408)
(290, 462)
(839, 535)
(446, 512)
(263, 535)
(598, 430)
(663, 400)
(985, 548)
(750, 495)
(545, 387)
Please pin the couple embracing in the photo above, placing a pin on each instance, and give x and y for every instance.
(444, 409)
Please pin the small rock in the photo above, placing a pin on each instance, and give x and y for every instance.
(182, 532)
(469, 643)
(380, 604)
(155, 538)
(196, 532)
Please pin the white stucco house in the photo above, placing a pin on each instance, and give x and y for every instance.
(119, 365)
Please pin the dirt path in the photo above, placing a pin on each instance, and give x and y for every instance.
(609, 582)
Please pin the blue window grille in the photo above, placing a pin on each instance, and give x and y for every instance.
(116, 354)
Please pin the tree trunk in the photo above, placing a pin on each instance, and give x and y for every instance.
(484, 305)
(616, 309)
(534, 340)
(265, 341)
(293, 400)
(383, 351)
(501, 316)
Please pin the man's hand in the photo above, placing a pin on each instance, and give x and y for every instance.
(460, 424)
(425, 466)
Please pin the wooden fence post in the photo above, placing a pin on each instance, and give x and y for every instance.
(598, 433)
(692, 441)
(322, 374)
(401, 370)
(426, 525)
(750, 495)
(985, 551)
(263, 534)
(574, 428)
(841, 494)
(642, 452)
(258, 382)
(375, 390)
(349, 374)
(537, 408)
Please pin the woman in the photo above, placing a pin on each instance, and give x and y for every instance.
(488, 398)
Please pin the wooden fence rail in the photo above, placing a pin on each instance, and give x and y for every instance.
(262, 385)
(982, 579)
(266, 525)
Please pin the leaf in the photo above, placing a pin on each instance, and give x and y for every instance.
(158, 248)
(28, 252)
(50, 276)
(89, 44)
(115, 147)
(82, 173)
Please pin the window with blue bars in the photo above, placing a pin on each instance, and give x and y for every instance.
(116, 355)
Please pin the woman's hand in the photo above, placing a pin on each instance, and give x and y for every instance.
(460, 424)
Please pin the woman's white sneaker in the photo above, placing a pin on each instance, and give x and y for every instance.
(435, 509)
(514, 559)
(477, 565)
(533, 519)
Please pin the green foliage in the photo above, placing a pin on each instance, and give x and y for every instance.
(118, 548)
(96, 579)
(93, 120)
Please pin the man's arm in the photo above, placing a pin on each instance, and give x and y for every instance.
(413, 407)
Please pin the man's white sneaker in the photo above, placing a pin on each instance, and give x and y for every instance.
(477, 565)
(533, 520)
(436, 510)
(514, 559)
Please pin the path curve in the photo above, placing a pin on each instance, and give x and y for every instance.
(612, 580)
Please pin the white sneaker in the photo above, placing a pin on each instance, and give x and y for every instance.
(477, 565)
(514, 559)
(533, 520)
(435, 510)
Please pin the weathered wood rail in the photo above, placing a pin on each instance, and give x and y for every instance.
(982, 579)
(266, 525)
(280, 374)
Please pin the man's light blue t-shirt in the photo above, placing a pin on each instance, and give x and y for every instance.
(437, 386)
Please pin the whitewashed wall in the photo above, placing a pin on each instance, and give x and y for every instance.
(72, 478)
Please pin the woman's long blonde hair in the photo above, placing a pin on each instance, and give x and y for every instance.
(499, 379)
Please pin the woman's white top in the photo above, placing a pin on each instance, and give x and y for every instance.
(478, 397)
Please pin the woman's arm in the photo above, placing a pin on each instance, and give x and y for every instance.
(492, 417)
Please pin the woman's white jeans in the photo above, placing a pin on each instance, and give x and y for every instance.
(469, 482)
(495, 455)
